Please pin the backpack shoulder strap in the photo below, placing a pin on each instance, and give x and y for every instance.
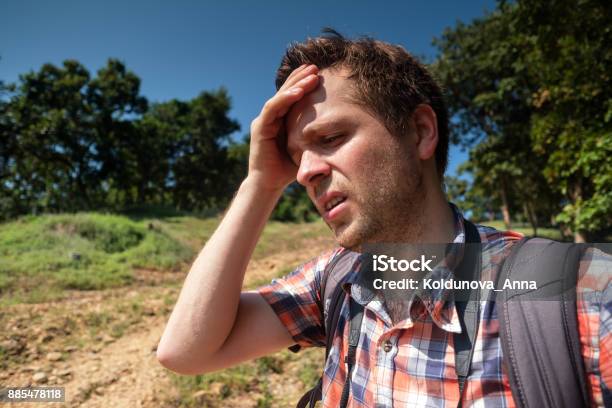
(539, 327)
(468, 306)
(333, 276)
(332, 294)
(356, 315)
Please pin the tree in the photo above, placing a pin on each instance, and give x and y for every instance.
(571, 62)
(529, 91)
(295, 205)
(72, 139)
(71, 142)
(121, 151)
(51, 138)
(8, 148)
(195, 136)
(487, 96)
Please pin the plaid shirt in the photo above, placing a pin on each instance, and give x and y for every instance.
(412, 363)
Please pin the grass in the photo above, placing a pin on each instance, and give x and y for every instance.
(219, 386)
(255, 283)
(311, 368)
(252, 378)
(279, 236)
(42, 257)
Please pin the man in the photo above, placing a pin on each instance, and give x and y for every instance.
(363, 127)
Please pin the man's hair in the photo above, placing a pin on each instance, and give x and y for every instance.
(388, 81)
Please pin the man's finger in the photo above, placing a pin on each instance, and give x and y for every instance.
(297, 76)
(296, 72)
(280, 103)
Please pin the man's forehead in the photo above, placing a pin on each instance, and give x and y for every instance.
(325, 102)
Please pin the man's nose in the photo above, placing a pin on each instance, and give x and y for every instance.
(313, 168)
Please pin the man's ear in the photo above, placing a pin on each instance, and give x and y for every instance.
(426, 127)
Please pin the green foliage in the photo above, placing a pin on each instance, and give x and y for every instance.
(295, 206)
(109, 235)
(269, 364)
(475, 205)
(196, 135)
(309, 372)
(235, 380)
(529, 88)
(72, 142)
(572, 126)
(83, 251)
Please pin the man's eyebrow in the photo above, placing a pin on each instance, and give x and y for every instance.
(323, 126)
(317, 128)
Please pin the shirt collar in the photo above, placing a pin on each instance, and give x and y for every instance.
(439, 304)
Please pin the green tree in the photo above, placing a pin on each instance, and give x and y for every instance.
(295, 205)
(571, 63)
(470, 197)
(121, 151)
(238, 156)
(71, 142)
(73, 139)
(195, 135)
(529, 91)
(52, 137)
(8, 148)
(455, 189)
(487, 96)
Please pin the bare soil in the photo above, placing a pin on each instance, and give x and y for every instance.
(100, 345)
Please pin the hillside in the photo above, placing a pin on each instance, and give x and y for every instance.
(85, 298)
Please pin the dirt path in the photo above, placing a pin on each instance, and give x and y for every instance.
(104, 371)
(101, 346)
(124, 374)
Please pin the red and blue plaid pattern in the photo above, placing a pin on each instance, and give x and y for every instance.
(412, 363)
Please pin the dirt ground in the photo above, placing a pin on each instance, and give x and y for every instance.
(101, 345)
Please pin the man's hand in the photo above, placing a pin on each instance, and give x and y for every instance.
(270, 167)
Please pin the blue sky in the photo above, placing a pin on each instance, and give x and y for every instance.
(181, 48)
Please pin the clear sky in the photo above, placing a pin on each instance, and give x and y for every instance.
(181, 48)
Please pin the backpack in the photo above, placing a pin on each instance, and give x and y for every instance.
(539, 338)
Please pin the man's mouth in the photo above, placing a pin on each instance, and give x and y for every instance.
(333, 205)
(334, 202)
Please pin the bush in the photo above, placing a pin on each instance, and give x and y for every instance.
(82, 251)
(295, 206)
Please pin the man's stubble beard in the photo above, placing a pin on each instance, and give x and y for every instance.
(391, 212)
(402, 220)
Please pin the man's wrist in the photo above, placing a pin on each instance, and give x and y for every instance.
(254, 184)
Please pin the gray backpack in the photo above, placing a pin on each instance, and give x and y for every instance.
(540, 340)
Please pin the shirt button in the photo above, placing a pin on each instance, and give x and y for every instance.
(387, 346)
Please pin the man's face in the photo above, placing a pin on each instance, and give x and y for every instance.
(365, 182)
